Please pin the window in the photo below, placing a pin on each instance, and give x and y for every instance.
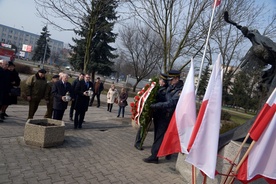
(3, 40)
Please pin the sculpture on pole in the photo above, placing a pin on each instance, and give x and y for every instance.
(261, 53)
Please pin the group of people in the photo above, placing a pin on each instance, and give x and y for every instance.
(9, 81)
(58, 92)
(163, 109)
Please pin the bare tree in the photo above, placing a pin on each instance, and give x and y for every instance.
(175, 23)
(142, 49)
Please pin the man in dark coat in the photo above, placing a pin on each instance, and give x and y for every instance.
(49, 97)
(82, 90)
(166, 109)
(6, 88)
(62, 89)
(74, 84)
(98, 88)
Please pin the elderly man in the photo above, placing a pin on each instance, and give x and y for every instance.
(61, 89)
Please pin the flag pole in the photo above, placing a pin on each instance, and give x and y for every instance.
(242, 160)
(232, 165)
(193, 174)
(204, 53)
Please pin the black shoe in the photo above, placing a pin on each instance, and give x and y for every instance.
(168, 157)
(6, 114)
(2, 116)
(71, 119)
(1, 121)
(151, 160)
(138, 147)
(118, 116)
(98, 106)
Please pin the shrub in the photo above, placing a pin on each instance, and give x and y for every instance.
(227, 125)
(25, 69)
(225, 115)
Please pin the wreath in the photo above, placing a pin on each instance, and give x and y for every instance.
(145, 118)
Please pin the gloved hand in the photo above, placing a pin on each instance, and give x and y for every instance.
(153, 106)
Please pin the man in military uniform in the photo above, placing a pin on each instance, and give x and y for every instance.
(36, 86)
(165, 110)
(49, 97)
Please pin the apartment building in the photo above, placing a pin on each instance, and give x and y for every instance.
(21, 39)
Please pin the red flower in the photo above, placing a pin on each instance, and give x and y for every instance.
(132, 104)
(136, 98)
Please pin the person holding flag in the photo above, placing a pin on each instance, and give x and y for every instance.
(168, 106)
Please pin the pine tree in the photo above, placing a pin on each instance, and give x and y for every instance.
(41, 44)
(204, 81)
(96, 34)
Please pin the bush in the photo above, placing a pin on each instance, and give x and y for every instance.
(25, 69)
(225, 115)
(228, 125)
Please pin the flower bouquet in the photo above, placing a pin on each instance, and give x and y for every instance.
(140, 108)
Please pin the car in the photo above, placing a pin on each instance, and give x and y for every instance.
(69, 68)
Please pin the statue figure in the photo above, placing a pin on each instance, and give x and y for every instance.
(261, 53)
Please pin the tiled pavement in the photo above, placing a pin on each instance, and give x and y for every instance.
(101, 152)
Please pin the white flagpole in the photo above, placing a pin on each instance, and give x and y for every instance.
(207, 40)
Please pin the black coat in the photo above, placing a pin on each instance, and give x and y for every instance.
(82, 101)
(15, 82)
(58, 91)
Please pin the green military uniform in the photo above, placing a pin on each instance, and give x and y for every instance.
(49, 97)
(36, 87)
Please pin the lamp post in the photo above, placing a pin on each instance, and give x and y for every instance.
(42, 66)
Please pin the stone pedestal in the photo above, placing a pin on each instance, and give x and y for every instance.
(229, 152)
(44, 132)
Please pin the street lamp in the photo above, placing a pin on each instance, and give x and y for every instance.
(42, 66)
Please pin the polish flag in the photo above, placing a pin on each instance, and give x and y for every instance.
(182, 122)
(203, 144)
(261, 160)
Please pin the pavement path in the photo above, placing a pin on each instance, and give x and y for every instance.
(101, 152)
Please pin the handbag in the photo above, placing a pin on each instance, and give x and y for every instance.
(15, 91)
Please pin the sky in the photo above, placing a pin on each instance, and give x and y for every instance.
(21, 14)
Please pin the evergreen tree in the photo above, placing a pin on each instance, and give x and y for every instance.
(204, 81)
(92, 51)
(41, 44)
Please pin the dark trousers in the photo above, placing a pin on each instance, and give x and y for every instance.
(98, 100)
(58, 114)
(123, 111)
(78, 120)
(49, 112)
(109, 107)
(72, 108)
(33, 105)
(161, 129)
(138, 139)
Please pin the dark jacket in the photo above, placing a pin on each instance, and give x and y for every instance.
(123, 99)
(172, 96)
(36, 87)
(15, 82)
(58, 91)
(74, 84)
(100, 88)
(82, 101)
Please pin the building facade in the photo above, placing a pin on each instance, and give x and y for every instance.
(25, 41)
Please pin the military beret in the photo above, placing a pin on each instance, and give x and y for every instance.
(55, 77)
(42, 71)
(174, 73)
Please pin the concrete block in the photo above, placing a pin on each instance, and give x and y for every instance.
(229, 151)
(44, 132)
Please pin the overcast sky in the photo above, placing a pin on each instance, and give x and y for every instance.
(21, 14)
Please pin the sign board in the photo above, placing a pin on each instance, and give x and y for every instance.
(27, 48)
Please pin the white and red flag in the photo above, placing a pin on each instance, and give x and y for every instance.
(203, 144)
(261, 161)
(182, 122)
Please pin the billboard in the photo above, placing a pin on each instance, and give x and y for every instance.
(27, 48)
